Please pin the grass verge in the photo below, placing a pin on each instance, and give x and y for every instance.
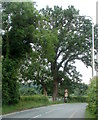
(29, 102)
(22, 105)
(25, 104)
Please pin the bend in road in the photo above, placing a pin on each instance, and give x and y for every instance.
(67, 110)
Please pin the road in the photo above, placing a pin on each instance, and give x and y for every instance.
(67, 110)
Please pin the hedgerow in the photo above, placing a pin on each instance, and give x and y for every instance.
(92, 96)
(35, 98)
(78, 98)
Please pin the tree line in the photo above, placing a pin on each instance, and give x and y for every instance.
(42, 46)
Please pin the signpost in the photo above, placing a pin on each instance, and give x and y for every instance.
(65, 95)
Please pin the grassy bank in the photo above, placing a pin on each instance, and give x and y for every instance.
(22, 105)
(28, 102)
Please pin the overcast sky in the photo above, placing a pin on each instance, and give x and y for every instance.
(86, 7)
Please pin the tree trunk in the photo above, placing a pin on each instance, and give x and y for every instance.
(55, 80)
(55, 90)
(45, 90)
(44, 87)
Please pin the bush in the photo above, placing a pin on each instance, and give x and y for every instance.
(77, 98)
(92, 98)
(10, 86)
(35, 98)
(27, 91)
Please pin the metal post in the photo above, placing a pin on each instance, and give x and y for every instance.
(93, 49)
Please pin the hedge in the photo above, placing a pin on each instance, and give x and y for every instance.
(78, 98)
(93, 97)
(35, 98)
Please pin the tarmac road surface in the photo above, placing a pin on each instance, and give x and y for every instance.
(67, 110)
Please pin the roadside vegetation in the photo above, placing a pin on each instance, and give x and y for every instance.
(29, 102)
(26, 102)
(89, 114)
(92, 92)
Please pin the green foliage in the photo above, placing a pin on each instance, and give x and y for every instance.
(65, 84)
(92, 96)
(89, 114)
(73, 43)
(37, 70)
(74, 87)
(28, 91)
(10, 86)
(26, 102)
(80, 89)
(78, 98)
(19, 22)
(35, 98)
(42, 43)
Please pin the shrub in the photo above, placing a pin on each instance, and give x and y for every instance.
(92, 98)
(35, 98)
(10, 86)
(77, 98)
(27, 91)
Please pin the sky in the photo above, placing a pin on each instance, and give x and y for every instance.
(86, 7)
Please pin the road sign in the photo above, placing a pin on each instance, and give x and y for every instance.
(66, 94)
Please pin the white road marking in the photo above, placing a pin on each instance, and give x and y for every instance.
(28, 110)
(49, 111)
(46, 113)
(54, 110)
(72, 115)
(37, 116)
(22, 111)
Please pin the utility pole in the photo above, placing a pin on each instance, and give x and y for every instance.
(97, 29)
(93, 66)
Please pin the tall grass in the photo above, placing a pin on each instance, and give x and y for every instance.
(35, 98)
(26, 102)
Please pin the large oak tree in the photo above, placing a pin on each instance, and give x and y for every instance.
(74, 42)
